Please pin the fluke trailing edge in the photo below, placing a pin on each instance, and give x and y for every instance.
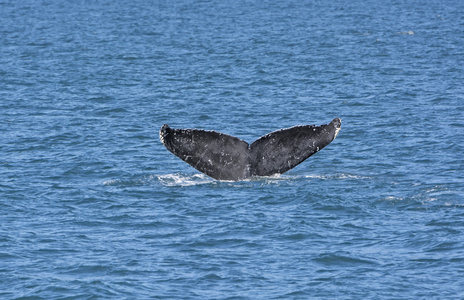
(225, 157)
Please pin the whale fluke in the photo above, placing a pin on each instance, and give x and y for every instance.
(224, 157)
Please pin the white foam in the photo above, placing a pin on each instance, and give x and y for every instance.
(337, 176)
(111, 182)
(178, 179)
(183, 180)
(409, 32)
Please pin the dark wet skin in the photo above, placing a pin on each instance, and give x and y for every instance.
(224, 157)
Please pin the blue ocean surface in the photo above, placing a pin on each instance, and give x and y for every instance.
(93, 206)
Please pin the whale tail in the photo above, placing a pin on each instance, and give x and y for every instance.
(224, 157)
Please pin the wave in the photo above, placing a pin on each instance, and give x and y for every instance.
(434, 196)
(175, 179)
(183, 179)
(338, 176)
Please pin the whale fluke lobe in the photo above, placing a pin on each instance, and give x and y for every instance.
(218, 155)
(224, 157)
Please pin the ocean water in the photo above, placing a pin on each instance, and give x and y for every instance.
(92, 206)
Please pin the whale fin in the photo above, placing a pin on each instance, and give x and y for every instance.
(224, 157)
(218, 155)
(282, 150)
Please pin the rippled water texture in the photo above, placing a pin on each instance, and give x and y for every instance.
(94, 207)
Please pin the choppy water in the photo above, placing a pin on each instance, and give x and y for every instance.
(93, 206)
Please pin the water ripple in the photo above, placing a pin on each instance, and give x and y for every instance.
(93, 205)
